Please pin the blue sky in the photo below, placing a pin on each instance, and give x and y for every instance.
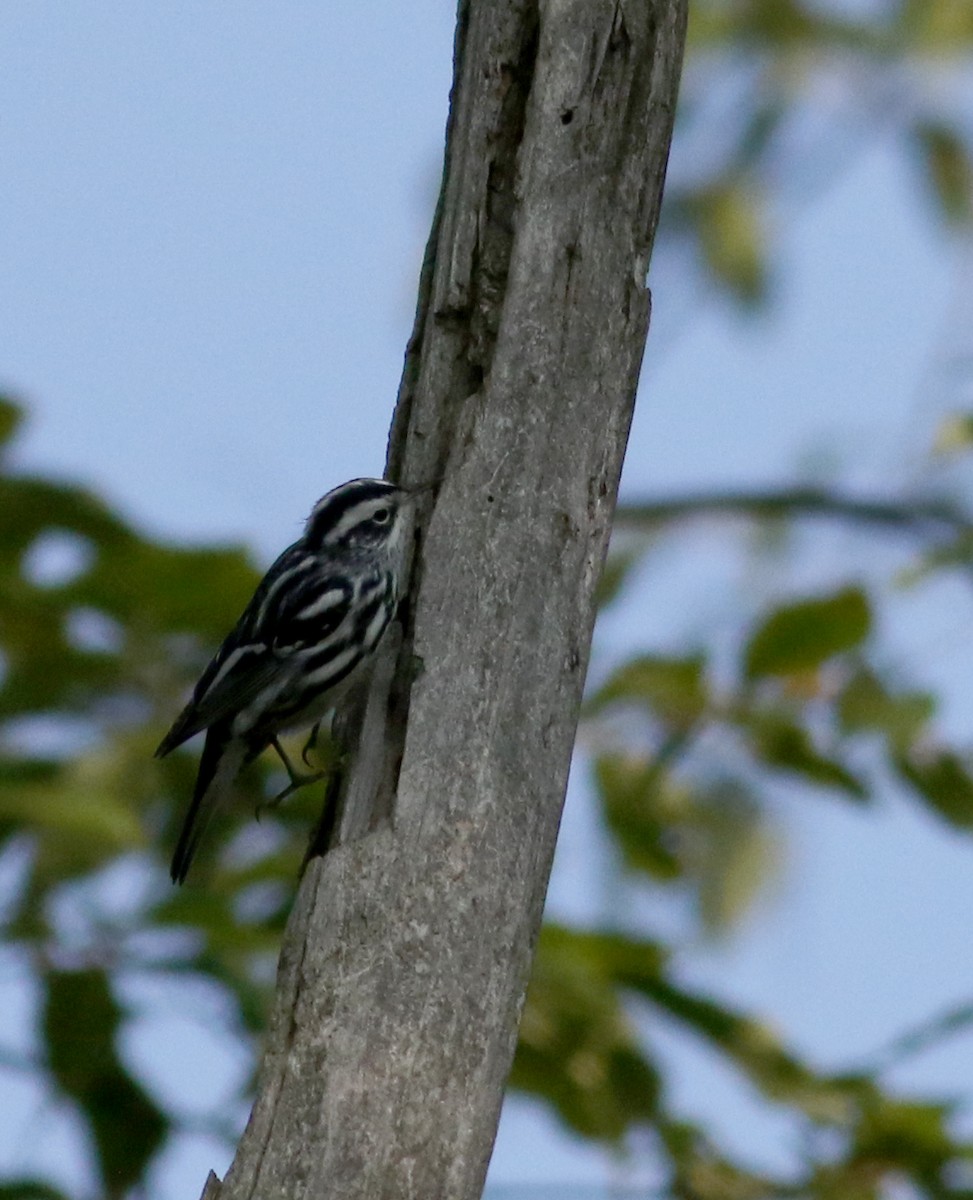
(210, 227)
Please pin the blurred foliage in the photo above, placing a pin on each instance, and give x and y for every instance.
(103, 628)
(686, 758)
(795, 89)
(80, 1027)
(100, 631)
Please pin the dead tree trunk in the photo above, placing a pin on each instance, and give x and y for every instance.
(408, 952)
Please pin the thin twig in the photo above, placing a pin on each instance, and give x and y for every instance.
(927, 1036)
(920, 518)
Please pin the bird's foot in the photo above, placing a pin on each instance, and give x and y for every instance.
(296, 783)
(297, 778)
(310, 744)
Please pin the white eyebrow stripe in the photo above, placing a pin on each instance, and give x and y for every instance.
(355, 516)
(329, 599)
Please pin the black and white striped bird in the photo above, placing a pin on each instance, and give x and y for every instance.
(310, 628)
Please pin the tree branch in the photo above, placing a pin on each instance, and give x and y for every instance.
(406, 958)
(924, 519)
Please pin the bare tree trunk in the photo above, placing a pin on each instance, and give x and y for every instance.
(408, 952)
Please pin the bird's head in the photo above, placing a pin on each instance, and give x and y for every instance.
(365, 519)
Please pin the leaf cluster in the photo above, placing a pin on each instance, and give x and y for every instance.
(101, 630)
(687, 762)
(805, 706)
(779, 96)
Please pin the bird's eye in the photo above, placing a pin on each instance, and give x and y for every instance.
(382, 516)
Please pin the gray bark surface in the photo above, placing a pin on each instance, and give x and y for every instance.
(408, 952)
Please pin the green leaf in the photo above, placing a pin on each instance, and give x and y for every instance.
(954, 435)
(781, 27)
(30, 1189)
(730, 224)
(800, 637)
(756, 1049)
(710, 837)
(630, 961)
(943, 26)
(640, 802)
(673, 689)
(701, 1172)
(81, 813)
(170, 590)
(910, 1136)
(577, 1048)
(866, 705)
(11, 415)
(943, 780)
(81, 1022)
(786, 746)
(946, 160)
(733, 852)
(30, 506)
(73, 806)
(617, 568)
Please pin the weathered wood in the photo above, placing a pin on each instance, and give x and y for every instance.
(408, 952)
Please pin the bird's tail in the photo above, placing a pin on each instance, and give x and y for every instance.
(223, 756)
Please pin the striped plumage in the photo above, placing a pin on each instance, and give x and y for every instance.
(315, 618)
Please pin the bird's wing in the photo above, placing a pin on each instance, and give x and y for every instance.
(233, 679)
(296, 605)
(310, 611)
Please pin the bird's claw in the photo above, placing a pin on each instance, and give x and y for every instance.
(296, 783)
(297, 780)
(310, 744)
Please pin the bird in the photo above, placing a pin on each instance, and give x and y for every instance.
(307, 634)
